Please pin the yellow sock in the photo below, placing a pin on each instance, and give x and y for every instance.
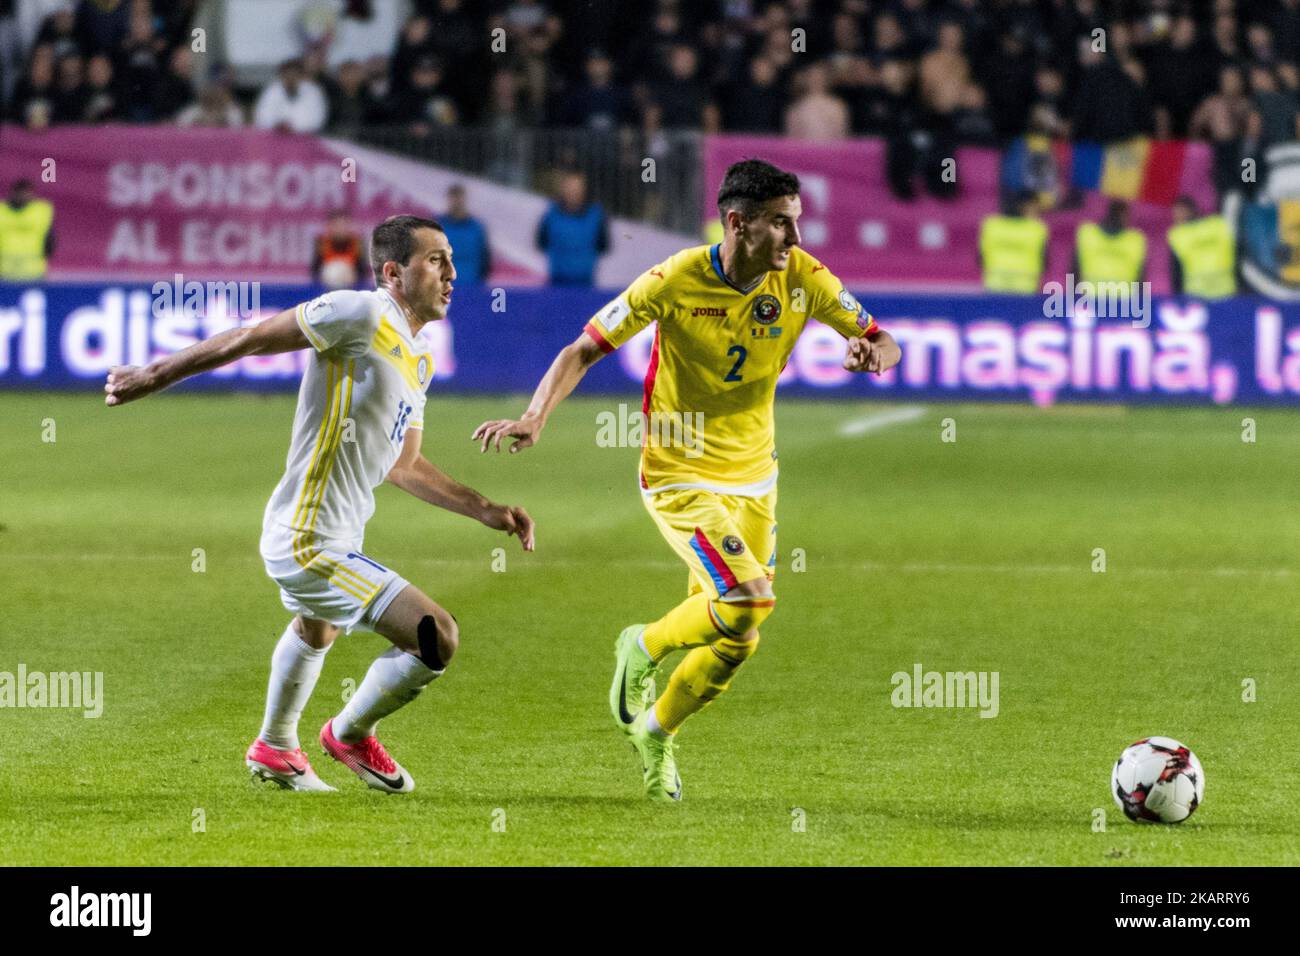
(686, 625)
(699, 620)
(701, 676)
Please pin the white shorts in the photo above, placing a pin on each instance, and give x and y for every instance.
(331, 581)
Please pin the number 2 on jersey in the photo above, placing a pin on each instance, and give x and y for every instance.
(741, 353)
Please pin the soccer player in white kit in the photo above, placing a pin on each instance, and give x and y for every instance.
(359, 421)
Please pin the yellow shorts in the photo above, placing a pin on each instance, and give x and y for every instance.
(724, 539)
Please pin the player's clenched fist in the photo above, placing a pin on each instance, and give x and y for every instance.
(491, 433)
(864, 355)
(513, 521)
(127, 383)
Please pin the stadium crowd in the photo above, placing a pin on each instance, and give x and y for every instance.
(973, 71)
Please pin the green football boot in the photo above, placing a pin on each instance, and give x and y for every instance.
(659, 766)
(634, 678)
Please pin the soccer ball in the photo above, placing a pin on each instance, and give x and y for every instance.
(1158, 780)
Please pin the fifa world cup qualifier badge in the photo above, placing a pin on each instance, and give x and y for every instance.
(767, 309)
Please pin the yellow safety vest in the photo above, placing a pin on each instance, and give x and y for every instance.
(1207, 253)
(1110, 258)
(22, 240)
(1011, 251)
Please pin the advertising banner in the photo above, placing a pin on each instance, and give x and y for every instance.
(993, 348)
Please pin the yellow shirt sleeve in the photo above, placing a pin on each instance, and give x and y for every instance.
(637, 306)
(832, 304)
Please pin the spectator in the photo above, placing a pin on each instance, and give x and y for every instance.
(175, 89)
(817, 115)
(59, 32)
(1179, 76)
(573, 233)
(101, 91)
(468, 237)
(291, 103)
(33, 99)
(681, 95)
(214, 108)
(945, 72)
(69, 99)
(140, 61)
(757, 105)
(971, 124)
(103, 24)
(338, 253)
(599, 104)
(1224, 119)
(1276, 109)
(1009, 79)
(424, 103)
(351, 105)
(1109, 105)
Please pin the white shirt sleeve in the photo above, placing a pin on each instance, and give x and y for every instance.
(344, 321)
(269, 108)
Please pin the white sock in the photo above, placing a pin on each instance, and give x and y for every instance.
(294, 669)
(393, 681)
(652, 723)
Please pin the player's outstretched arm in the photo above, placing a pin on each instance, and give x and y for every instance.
(280, 333)
(877, 353)
(560, 379)
(418, 476)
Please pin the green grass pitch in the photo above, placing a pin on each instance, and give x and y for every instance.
(974, 555)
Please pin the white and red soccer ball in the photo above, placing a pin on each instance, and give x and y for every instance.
(1158, 780)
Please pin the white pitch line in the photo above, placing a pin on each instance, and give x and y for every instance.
(877, 420)
(906, 567)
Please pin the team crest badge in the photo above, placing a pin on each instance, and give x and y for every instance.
(422, 369)
(767, 309)
(733, 545)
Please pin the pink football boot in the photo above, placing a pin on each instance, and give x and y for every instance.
(289, 768)
(368, 760)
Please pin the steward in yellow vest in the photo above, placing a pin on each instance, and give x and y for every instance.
(1013, 247)
(1202, 253)
(26, 237)
(1111, 251)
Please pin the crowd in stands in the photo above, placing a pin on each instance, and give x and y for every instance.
(927, 75)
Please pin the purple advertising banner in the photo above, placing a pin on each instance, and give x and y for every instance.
(132, 203)
(875, 241)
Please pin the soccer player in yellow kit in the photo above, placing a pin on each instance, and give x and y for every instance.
(728, 317)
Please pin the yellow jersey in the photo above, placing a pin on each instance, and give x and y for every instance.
(718, 351)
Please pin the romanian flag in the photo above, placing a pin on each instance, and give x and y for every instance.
(1137, 169)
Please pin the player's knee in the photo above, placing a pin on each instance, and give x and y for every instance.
(737, 613)
(438, 636)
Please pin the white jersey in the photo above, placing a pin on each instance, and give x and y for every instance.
(363, 388)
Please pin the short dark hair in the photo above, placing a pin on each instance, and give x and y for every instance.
(750, 183)
(394, 241)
